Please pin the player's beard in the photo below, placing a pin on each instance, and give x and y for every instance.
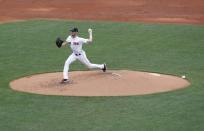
(73, 35)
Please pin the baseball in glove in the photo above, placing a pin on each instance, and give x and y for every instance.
(59, 42)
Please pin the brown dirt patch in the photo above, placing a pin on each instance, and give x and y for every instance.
(97, 83)
(162, 11)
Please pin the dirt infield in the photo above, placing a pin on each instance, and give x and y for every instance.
(97, 83)
(170, 11)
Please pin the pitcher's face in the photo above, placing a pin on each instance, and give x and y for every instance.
(73, 34)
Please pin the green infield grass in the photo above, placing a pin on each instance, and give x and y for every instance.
(29, 47)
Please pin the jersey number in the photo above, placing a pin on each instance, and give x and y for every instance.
(75, 43)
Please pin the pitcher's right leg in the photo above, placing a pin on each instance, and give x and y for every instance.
(83, 59)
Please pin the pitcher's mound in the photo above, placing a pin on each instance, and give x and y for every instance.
(97, 83)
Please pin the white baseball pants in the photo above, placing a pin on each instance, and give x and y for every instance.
(83, 59)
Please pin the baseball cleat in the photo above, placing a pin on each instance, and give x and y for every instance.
(64, 81)
(104, 68)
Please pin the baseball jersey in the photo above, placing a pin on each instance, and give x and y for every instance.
(76, 43)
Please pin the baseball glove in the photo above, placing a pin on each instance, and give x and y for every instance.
(59, 42)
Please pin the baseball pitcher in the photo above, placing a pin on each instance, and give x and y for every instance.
(78, 53)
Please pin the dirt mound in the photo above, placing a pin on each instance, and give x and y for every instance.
(97, 83)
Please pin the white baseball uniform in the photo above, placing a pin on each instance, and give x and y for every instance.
(76, 44)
